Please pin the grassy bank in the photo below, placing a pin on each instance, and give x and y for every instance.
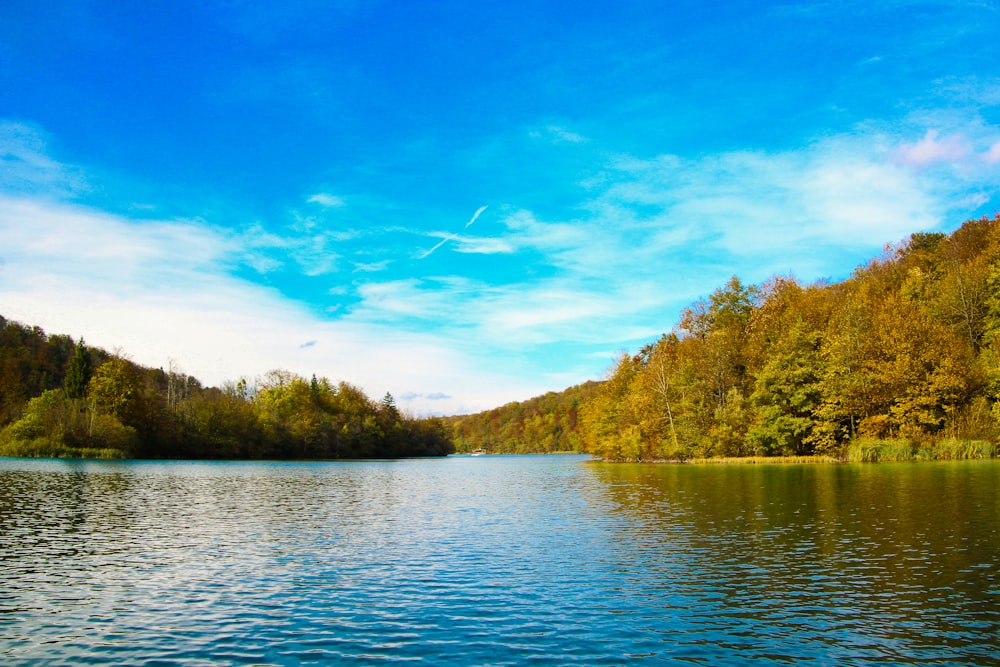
(45, 449)
(872, 451)
(868, 451)
(767, 459)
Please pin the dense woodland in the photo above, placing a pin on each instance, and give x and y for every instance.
(902, 357)
(62, 398)
(541, 425)
(902, 360)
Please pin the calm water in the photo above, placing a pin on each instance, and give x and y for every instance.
(498, 560)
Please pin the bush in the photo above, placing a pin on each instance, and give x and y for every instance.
(871, 450)
(954, 448)
(54, 426)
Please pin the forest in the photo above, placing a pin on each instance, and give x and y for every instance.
(542, 425)
(60, 398)
(900, 361)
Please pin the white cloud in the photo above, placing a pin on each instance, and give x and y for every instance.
(802, 211)
(471, 245)
(931, 149)
(660, 232)
(311, 251)
(427, 253)
(326, 200)
(557, 134)
(654, 234)
(482, 246)
(371, 267)
(475, 216)
(26, 168)
(159, 291)
(992, 156)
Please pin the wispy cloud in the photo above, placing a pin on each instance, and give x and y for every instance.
(326, 200)
(306, 248)
(26, 168)
(470, 245)
(371, 267)
(444, 239)
(161, 290)
(933, 149)
(434, 396)
(466, 244)
(992, 156)
(557, 134)
(475, 216)
(659, 232)
(650, 235)
(482, 246)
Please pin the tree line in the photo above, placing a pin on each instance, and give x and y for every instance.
(901, 360)
(63, 398)
(541, 425)
(903, 356)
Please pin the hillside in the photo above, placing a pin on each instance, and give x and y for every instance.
(63, 398)
(543, 424)
(902, 360)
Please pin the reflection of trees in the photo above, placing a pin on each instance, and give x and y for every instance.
(842, 550)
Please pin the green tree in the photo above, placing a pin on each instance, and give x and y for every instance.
(787, 393)
(78, 372)
(52, 426)
(114, 389)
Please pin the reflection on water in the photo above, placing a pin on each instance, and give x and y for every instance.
(498, 560)
(857, 563)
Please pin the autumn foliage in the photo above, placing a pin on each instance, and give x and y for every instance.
(906, 351)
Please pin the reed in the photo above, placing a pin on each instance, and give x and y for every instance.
(43, 448)
(753, 460)
(873, 451)
(867, 450)
(955, 448)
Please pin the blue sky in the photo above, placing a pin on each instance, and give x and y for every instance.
(466, 203)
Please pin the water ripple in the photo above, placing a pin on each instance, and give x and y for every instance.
(500, 561)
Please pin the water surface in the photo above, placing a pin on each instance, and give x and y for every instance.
(498, 560)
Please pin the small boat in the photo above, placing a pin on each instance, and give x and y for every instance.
(478, 452)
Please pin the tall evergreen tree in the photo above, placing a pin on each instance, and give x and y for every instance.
(78, 372)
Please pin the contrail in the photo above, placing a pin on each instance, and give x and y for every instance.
(428, 253)
(452, 237)
(475, 216)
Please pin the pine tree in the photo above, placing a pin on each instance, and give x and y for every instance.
(78, 372)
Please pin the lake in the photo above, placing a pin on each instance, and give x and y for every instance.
(498, 561)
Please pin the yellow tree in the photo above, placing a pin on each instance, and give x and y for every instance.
(608, 429)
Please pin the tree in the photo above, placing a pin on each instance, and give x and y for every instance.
(78, 372)
(114, 390)
(53, 426)
(786, 394)
(608, 427)
(388, 408)
(652, 398)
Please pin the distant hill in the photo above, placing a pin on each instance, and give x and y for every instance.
(543, 424)
(62, 398)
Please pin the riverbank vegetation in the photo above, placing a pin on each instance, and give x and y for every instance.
(60, 398)
(899, 362)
